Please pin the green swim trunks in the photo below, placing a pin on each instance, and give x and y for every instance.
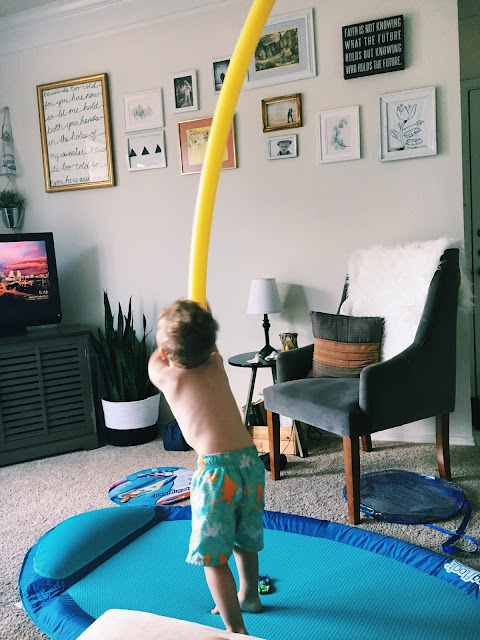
(227, 506)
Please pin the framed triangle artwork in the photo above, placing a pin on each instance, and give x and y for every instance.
(146, 151)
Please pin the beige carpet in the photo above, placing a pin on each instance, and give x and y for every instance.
(37, 495)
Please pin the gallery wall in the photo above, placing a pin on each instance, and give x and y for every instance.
(296, 220)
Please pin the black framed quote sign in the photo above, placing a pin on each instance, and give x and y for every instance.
(373, 47)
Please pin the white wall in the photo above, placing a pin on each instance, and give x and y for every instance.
(295, 220)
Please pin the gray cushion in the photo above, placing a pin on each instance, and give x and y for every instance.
(344, 345)
(327, 403)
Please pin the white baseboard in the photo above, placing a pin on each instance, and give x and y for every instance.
(386, 436)
(421, 439)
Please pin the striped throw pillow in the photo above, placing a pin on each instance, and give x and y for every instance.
(344, 345)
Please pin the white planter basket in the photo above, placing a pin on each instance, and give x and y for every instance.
(131, 415)
(133, 422)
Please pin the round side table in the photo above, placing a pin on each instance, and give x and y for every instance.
(241, 360)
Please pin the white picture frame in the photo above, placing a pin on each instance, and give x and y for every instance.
(219, 70)
(282, 147)
(298, 61)
(408, 127)
(185, 91)
(146, 151)
(143, 110)
(339, 134)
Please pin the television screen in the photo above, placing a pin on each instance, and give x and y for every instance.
(29, 292)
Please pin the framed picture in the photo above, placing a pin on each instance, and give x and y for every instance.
(193, 138)
(219, 69)
(143, 110)
(185, 91)
(281, 147)
(146, 151)
(76, 148)
(285, 51)
(408, 124)
(340, 134)
(284, 112)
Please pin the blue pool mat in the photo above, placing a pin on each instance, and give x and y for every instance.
(330, 581)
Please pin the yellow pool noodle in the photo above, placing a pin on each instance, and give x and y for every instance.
(221, 123)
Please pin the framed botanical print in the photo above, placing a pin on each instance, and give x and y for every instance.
(408, 126)
(340, 134)
(193, 138)
(75, 133)
(285, 51)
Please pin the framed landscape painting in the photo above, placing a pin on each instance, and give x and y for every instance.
(285, 51)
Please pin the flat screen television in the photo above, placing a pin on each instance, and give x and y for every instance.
(29, 291)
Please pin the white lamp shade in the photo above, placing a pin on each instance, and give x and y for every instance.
(264, 296)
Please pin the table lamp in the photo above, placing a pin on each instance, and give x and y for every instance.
(264, 299)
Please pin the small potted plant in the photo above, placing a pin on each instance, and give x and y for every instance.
(11, 207)
(131, 402)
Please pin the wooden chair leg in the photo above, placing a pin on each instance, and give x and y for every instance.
(273, 421)
(442, 424)
(351, 455)
(367, 443)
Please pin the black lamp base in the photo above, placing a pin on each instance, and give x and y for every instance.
(266, 351)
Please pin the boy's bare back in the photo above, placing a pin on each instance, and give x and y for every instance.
(202, 402)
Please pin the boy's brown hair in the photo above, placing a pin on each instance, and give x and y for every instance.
(187, 332)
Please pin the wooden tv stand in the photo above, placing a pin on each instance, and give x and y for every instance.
(46, 394)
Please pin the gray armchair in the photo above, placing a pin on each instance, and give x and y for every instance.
(415, 384)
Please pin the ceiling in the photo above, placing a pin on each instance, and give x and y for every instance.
(8, 7)
(466, 8)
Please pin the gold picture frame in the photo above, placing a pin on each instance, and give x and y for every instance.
(284, 112)
(75, 133)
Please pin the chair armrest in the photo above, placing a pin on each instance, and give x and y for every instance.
(410, 386)
(294, 364)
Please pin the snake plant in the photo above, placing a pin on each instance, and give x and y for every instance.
(123, 357)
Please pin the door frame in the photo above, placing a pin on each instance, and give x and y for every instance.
(469, 226)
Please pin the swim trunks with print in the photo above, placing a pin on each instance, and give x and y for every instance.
(227, 506)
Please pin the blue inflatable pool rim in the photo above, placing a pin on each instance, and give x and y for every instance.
(57, 614)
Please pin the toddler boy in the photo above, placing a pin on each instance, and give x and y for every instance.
(227, 487)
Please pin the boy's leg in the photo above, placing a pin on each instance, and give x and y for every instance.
(247, 565)
(224, 592)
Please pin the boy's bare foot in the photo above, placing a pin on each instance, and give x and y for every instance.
(249, 606)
